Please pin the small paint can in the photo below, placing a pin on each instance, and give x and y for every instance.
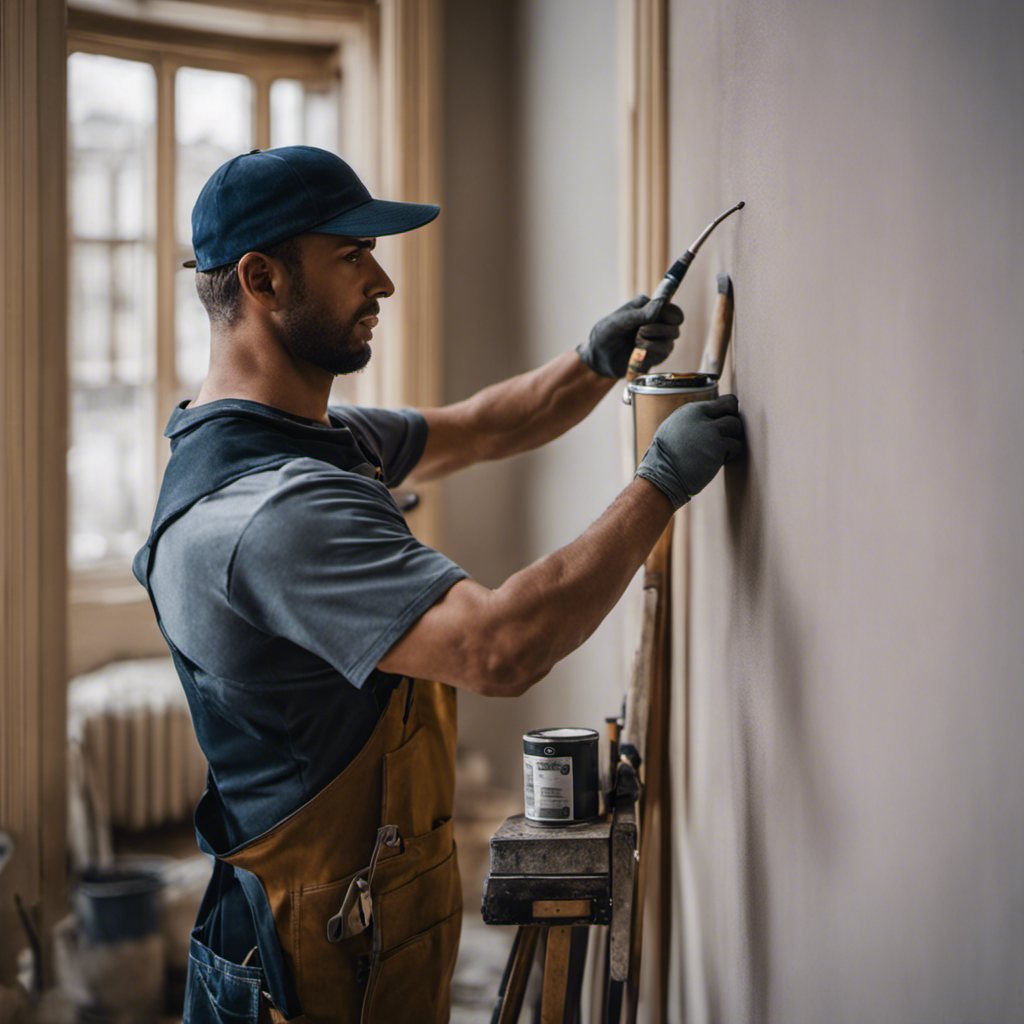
(655, 396)
(560, 774)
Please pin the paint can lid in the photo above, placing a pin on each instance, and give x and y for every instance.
(673, 383)
(562, 735)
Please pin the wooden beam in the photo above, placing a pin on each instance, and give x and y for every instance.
(412, 361)
(33, 446)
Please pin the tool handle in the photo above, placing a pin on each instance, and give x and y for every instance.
(721, 328)
(638, 360)
(665, 290)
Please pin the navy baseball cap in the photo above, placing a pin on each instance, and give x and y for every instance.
(263, 197)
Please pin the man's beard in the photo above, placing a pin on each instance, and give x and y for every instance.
(314, 334)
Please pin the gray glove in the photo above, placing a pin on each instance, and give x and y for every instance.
(690, 446)
(613, 339)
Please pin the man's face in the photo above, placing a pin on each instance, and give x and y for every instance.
(334, 302)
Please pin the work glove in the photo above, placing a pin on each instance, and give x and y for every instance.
(690, 447)
(613, 339)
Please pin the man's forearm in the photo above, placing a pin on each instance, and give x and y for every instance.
(513, 416)
(551, 607)
(500, 642)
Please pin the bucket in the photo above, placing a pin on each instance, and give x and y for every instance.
(654, 396)
(114, 904)
(560, 770)
(118, 949)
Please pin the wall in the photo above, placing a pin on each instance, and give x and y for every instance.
(856, 848)
(530, 216)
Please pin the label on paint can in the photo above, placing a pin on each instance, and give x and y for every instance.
(548, 787)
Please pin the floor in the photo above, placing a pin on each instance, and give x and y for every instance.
(483, 952)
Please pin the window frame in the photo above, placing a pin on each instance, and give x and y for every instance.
(105, 36)
(393, 48)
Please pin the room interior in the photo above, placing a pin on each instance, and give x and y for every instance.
(846, 682)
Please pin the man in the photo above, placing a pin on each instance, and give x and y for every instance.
(318, 642)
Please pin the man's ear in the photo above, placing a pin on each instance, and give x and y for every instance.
(265, 281)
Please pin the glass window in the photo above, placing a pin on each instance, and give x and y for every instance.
(212, 123)
(113, 457)
(112, 125)
(303, 114)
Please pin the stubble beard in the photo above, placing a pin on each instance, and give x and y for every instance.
(314, 334)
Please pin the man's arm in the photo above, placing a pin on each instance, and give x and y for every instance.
(499, 643)
(527, 411)
(514, 416)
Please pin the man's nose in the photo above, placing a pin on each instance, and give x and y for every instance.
(380, 285)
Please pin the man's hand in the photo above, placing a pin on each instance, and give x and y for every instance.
(613, 339)
(690, 447)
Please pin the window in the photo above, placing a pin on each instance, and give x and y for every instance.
(151, 116)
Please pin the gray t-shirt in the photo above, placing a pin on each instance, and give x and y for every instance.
(285, 588)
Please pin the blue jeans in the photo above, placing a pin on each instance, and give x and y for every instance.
(218, 991)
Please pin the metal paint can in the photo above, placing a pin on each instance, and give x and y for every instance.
(654, 396)
(560, 775)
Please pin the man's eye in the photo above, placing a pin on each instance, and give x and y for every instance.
(354, 256)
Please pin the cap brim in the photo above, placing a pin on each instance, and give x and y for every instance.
(378, 217)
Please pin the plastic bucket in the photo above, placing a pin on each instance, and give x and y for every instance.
(119, 903)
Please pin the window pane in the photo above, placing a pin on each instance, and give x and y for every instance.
(192, 328)
(112, 209)
(111, 336)
(213, 122)
(134, 284)
(112, 114)
(303, 114)
(91, 313)
(110, 472)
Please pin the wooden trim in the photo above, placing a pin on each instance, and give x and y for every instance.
(33, 361)
(645, 39)
(295, 8)
(644, 62)
(166, 260)
(280, 54)
(411, 171)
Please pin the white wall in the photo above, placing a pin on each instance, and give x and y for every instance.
(857, 688)
(531, 261)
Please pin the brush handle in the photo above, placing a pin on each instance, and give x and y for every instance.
(638, 360)
(666, 289)
(721, 329)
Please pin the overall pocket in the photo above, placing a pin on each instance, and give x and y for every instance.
(417, 789)
(331, 976)
(218, 991)
(412, 982)
(417, 918)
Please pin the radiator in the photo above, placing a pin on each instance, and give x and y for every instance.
(132, 724)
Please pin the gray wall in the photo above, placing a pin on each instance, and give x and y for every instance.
(856, 768)
(531, 261)
(856, 847)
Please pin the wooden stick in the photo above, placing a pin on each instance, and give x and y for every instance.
(556, 975)
(517, 974)
(656, 592)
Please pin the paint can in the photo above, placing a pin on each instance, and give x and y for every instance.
(654, 396)
(560, 774)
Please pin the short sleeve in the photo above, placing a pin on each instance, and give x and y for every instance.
(329, 563)
(397, 436)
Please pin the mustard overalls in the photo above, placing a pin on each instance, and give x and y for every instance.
(355, 896)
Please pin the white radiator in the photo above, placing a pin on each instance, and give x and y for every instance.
(131, 721)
